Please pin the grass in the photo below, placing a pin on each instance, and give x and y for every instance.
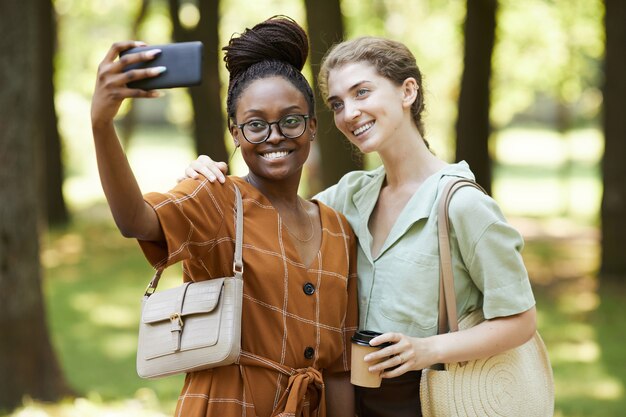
(94, 280)
(94, 283)
(580, 322)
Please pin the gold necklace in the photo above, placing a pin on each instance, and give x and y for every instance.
(287, 227)
(303, 240)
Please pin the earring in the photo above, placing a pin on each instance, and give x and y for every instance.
(230, 158)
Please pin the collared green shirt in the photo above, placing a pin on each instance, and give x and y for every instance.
(399, 288)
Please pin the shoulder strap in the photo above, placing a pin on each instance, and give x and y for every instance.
(238, 259)
(448, 319)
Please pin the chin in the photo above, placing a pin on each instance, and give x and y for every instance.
(278, 174)
(366, 147)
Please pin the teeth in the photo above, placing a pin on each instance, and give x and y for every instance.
(363, 128)
(275, 155)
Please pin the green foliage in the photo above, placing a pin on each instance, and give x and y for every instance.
(432, 31)
(94, 283)
(547, 57)
(547, 48)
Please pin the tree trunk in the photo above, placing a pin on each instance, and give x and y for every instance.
(613, 210)
(27, 363)
(52, 160)
(207, 104)
(337, 155)
(473, 127)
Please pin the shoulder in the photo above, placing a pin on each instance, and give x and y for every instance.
(471, 202)
(196, 191)
(471, 209)
(362, 176)
(347, 186)
(333, 219)
(355, 180)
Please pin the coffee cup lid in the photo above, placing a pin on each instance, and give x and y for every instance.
(363, 337)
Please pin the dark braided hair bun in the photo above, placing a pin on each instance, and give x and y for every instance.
(276, 47)
(278, 38)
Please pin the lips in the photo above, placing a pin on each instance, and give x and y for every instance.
(363, 128)
(275, 154)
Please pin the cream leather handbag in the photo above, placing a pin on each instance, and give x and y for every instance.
(515, 383)
(194, 326)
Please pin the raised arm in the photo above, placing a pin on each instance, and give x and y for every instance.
(133, 216)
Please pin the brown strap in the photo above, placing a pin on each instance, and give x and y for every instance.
(447, 296)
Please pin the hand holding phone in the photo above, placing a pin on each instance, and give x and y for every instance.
(183, 63)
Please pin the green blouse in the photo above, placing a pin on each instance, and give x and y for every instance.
(399, 289)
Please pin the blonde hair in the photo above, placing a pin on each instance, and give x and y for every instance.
(392, 60)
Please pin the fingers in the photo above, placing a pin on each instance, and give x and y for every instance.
(111, 82)
(190, 173)
(223, 167)
(393, 360)
(111, 85)
(137, 57)
(207, 167)
(386, 338)
(118, 47)
(395, 365)
(397, 371)
(121, 79)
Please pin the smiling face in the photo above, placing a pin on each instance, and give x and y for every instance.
(269, 100)
(368, 108)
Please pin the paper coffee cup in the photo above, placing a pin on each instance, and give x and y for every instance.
(360, 374)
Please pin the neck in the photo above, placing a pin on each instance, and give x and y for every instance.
(282, 193)
(407, 160)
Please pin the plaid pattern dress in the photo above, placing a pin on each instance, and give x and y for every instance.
(297, 319)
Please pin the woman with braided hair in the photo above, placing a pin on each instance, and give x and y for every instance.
(299, 306)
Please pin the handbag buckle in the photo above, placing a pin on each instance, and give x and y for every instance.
(176, 318)
(237, 268)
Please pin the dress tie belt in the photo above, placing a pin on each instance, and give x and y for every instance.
(303, 382)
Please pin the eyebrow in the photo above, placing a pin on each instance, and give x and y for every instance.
(295, 107)
(355, 85)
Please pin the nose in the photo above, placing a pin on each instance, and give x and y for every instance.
(351, 110)
(275, 134)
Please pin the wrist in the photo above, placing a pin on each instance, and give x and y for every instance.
(101, 126)
(437, 348)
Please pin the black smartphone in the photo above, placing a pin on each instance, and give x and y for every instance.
(183, 61)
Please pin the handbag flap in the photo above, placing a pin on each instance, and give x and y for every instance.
(198, 297)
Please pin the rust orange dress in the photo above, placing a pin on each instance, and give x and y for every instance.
(297, 319)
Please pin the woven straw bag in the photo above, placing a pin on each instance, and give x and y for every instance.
(515, 383)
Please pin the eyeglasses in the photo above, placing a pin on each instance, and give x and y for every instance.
(257, 131)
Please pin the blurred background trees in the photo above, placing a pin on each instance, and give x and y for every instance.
(473, 125)
(613, 265)
(334, 156)
(28, 364)
(521, 90)
(201, 23)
